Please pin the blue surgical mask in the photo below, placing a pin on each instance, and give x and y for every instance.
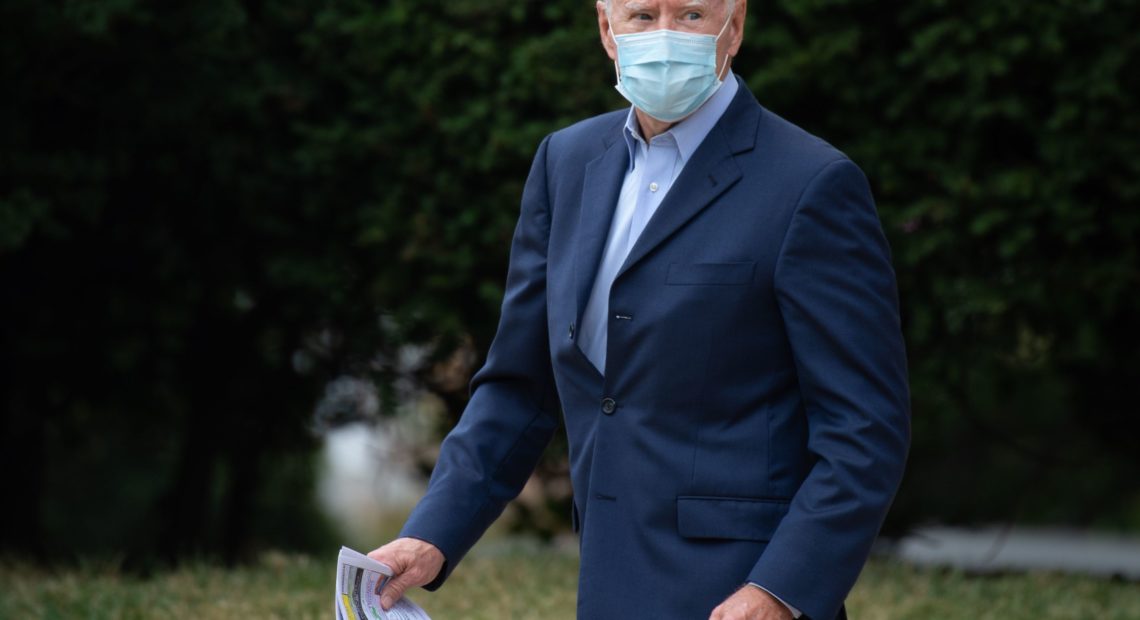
(668, 74)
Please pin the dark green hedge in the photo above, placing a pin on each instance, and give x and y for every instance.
(205, 207)
(1002, 142)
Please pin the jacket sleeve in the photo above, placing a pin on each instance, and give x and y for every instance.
(512, 414)
(838, 298)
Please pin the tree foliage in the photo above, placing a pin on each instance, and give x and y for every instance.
(1001, 141)
(208, 209)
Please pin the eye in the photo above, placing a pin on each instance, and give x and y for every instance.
(645, 17)
(692, 16)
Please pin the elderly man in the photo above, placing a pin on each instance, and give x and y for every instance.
(705, 293)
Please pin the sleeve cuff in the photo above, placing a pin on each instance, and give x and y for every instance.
(795, 612)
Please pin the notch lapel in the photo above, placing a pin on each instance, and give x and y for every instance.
(711, 172)
(600, 189)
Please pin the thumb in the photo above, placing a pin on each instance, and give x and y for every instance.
(395, 589)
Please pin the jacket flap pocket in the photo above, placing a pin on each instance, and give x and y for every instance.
(710, 273)
(736, 518)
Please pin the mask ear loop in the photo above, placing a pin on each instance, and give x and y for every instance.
(613, 37)
(723, 71)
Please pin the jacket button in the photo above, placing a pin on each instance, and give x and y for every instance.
(609, 406)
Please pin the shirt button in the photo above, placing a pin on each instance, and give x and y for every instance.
(609, 406)
(653, 187)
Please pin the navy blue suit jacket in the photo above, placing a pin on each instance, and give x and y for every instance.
(753, 421)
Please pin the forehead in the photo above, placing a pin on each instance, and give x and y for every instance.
(644, 5)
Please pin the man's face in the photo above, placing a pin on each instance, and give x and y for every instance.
(694, 16)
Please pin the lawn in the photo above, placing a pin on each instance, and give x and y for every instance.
(505, 580)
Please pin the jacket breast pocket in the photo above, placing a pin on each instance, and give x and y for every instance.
(734, 518)
(710, 274)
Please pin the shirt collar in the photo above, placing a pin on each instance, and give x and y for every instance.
(693, 129)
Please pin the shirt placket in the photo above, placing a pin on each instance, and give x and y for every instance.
(656, 179)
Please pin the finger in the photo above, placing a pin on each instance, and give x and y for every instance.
(394, 590)
(384, 556)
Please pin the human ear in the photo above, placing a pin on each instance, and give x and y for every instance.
(738, 18)
(604, 31)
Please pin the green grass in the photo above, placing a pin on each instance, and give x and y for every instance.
(505, 580)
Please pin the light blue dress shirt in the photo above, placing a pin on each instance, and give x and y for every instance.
(653, 167)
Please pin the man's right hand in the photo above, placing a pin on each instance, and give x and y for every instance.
(413, 562)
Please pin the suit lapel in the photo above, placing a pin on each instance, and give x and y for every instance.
(702, 180)
(710, 172)
(600, 190)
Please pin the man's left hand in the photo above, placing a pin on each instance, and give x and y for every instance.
(751, 603)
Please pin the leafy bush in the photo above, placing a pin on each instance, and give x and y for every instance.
(209, 209)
